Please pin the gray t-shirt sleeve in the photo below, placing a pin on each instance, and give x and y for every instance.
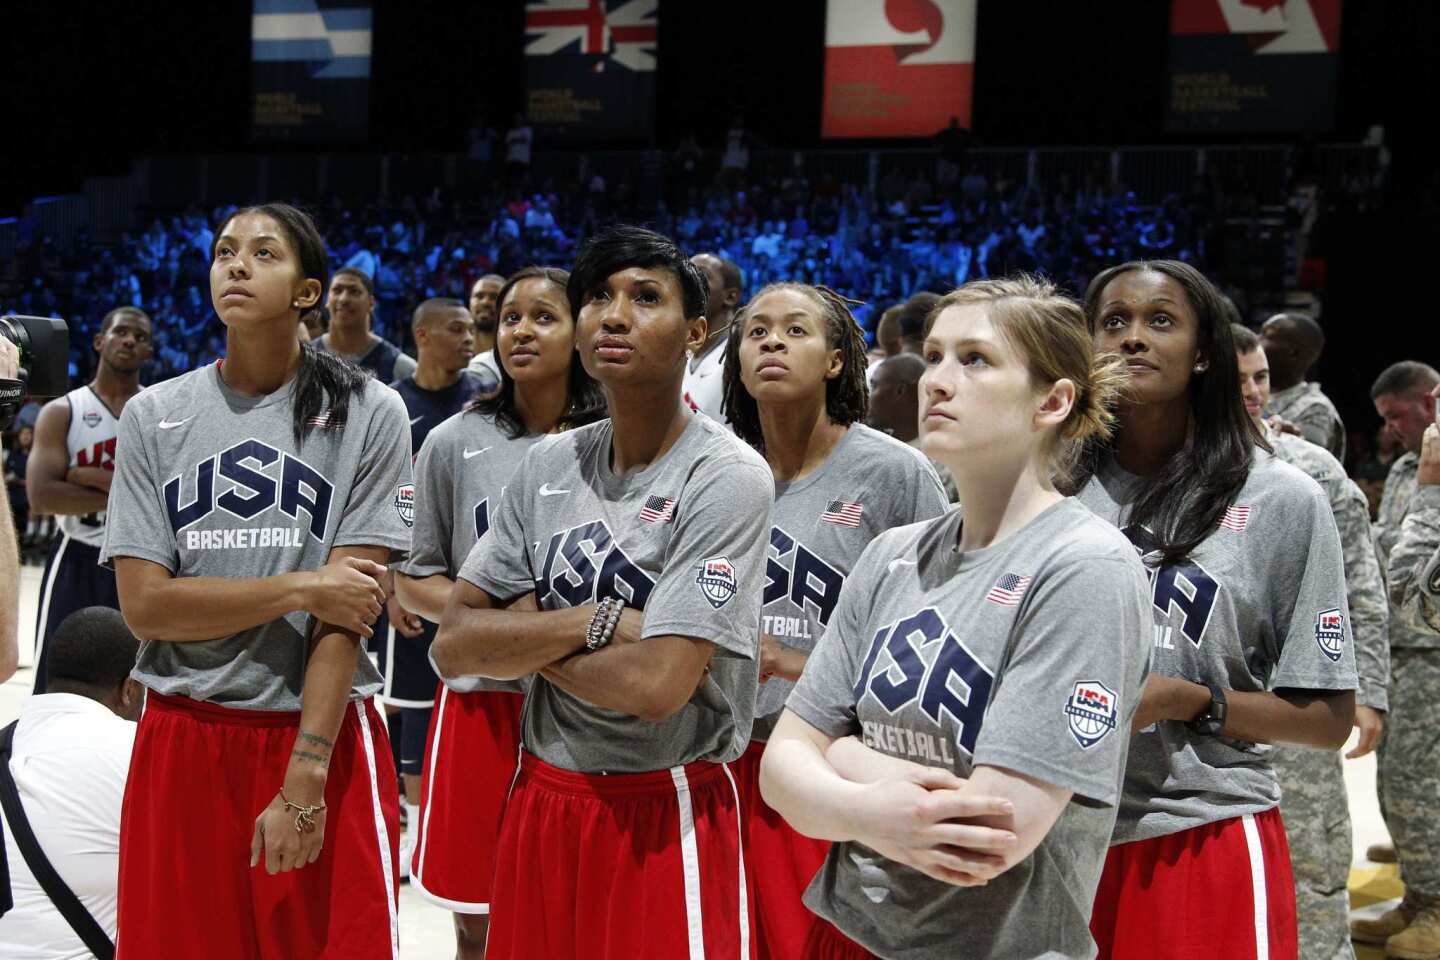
(499, 563)
(1061, 711)
(404, 366)
(379, 511)
(723, 521)
(930, 497)
(434, 500)
(137, 525)
(824, 696)
(1312, 618)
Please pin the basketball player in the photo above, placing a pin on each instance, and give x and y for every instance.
(69, 475)
(252, 510)
(351, 303)
(795, 390)
(484, 294)
(1251, 634)
(642, 539)
(439, 388)
(474, 736)
(960, 730)
(705, 373)
(1313, 801)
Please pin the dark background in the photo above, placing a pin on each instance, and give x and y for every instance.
(89, 87)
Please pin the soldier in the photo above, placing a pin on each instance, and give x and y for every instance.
(1415, 558)
(1313, 801)
(1292, 343)
(1409, 756)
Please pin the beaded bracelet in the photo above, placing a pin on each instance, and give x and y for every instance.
(603, 622)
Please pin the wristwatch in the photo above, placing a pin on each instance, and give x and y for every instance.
(1212, 719)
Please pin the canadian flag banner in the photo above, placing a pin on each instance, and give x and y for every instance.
(1253, 66)
(897, 68)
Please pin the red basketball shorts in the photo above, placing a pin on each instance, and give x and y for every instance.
(782, 864)
(470, 757)
(824, 942)
(620, 867)
(199, 776)
(1219, 890)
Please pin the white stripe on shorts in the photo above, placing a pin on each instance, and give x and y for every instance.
(690, 861)
(1257, 887)
(387, 868)
(740, 846)
(417, 866)
(44, 618)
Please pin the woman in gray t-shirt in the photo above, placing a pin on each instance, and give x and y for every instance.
(795, 390)
(1250, 633)
(959, 732)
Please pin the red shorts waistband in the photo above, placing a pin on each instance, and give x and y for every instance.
(650, 783)
(216, 713)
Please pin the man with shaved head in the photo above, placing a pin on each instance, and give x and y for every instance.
(440, 386)
(704, 376)
(1293, 342)
(485, 309)
(895, 406)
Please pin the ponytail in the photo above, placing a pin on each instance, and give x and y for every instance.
(324, 377)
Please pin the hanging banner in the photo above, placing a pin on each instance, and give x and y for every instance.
(590, 69)
(310, 69)
(1253, 66)
(897, 68)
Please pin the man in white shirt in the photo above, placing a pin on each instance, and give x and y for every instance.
(705, 375)
(69, 759)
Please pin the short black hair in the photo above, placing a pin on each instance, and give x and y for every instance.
(109, 318)
(1403, 377)
(365, 279)
(1311, 335)
(914, 313)
(92, 648)
(622, 246)
(435, 303)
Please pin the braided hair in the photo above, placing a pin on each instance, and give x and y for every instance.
(847, 396)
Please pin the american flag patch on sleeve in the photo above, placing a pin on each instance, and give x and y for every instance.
(658, 510)
(1236, 518)
(1008, 590)
(843, 512)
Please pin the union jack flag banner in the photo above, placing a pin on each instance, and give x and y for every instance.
(590, 68)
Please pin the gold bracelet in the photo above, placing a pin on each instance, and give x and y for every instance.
(304, 816)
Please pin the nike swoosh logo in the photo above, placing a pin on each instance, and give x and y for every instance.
(899, 561)
(172, 424)
(415, 420)
(545, 491)
(474, 453)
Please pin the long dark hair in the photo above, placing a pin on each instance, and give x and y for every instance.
(584, 401)
(322, 377)
(847, 396)
(1183, 503)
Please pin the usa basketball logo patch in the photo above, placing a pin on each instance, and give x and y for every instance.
(1093, 710)
(92, 418)
(405, 503)
(1330, 633)
(717, 581)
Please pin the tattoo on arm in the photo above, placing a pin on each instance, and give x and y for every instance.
(303, 739)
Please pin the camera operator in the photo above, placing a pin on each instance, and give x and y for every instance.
(9, 552)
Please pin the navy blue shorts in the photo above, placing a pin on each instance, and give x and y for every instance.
(73, 580)
(404, 662)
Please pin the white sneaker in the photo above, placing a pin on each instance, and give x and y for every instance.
(407, 849)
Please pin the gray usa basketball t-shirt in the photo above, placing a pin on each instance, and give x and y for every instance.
(683, 540)
(460, 473)
(211, 483)
(870, 483)
(1025, 655)
(1259, 606)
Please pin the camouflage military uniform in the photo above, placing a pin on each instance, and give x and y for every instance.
(1415, 562)
(1313, 802)
(1310, 410)
(1409, 768)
